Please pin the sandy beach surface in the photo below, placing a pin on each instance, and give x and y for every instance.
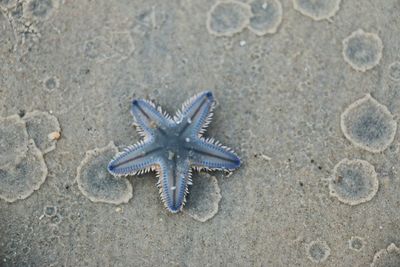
(308, 96)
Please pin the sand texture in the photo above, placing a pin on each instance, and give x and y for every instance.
(308, 96)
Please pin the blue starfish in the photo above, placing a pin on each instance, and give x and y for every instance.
(173, 147)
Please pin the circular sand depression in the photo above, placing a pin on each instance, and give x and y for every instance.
(362, 50)
(354, 181)
(368, 124)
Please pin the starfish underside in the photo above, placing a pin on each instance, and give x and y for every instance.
(173, 146)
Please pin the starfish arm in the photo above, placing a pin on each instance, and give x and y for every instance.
(210, 154)
(135, 159)
(174, 178)
(196, 114)
(148, 118)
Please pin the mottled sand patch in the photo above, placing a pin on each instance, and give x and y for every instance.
(56, 219)
(40, 126)
(353, 181)
(317, 9)
(362, 50)
(226, 18)
(356, 243)
(8, 3)
(13, 140)
(98, 49)
(122, 42)
(266, 16)
(318, 251)
(368, 124)
(394, 71)
(50, 211)
(96, 183)
(389, 257)
(40, 9)
(21, 180)
(204, 198)
(51, 83)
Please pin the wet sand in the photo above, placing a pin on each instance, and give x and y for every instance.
(308, 97)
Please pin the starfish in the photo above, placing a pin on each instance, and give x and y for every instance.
(173, 146)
